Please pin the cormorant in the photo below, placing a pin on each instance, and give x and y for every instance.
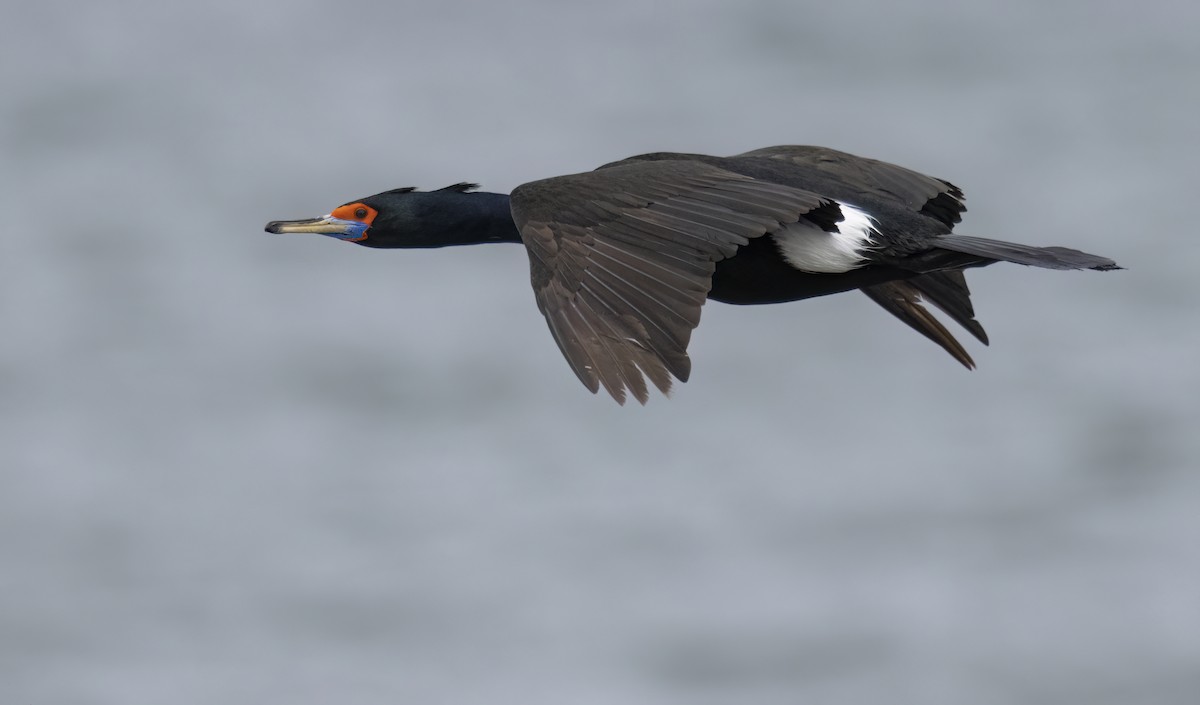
(623, 258)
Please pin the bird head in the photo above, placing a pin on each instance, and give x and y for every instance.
(403, 217)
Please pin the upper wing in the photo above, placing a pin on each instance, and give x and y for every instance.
(622, 259)
(936, 198)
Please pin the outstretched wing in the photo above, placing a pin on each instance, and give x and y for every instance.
(622, 259)
(935, 198)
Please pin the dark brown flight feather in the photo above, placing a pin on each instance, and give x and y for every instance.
(621, 260)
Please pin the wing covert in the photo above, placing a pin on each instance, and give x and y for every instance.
(935, 198)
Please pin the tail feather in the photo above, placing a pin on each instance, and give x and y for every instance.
(942, 283)
(1049, 257)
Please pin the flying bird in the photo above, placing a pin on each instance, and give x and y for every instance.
(623, 258)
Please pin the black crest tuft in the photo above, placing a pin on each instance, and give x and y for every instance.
(461, 187)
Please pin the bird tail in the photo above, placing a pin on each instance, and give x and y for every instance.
(1000, 251)
(942, 283)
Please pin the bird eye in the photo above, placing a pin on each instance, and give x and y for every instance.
(355, 211)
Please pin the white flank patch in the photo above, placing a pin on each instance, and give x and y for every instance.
(810, 249)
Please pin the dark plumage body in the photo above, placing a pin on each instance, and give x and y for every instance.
(623, 258)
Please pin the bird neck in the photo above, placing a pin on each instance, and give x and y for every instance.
(470, 219)
(480, 217)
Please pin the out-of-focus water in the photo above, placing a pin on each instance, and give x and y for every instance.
(241, 468)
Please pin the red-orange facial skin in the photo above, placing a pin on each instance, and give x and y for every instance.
(358, 212)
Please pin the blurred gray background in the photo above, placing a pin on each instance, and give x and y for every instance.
(242, 468)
